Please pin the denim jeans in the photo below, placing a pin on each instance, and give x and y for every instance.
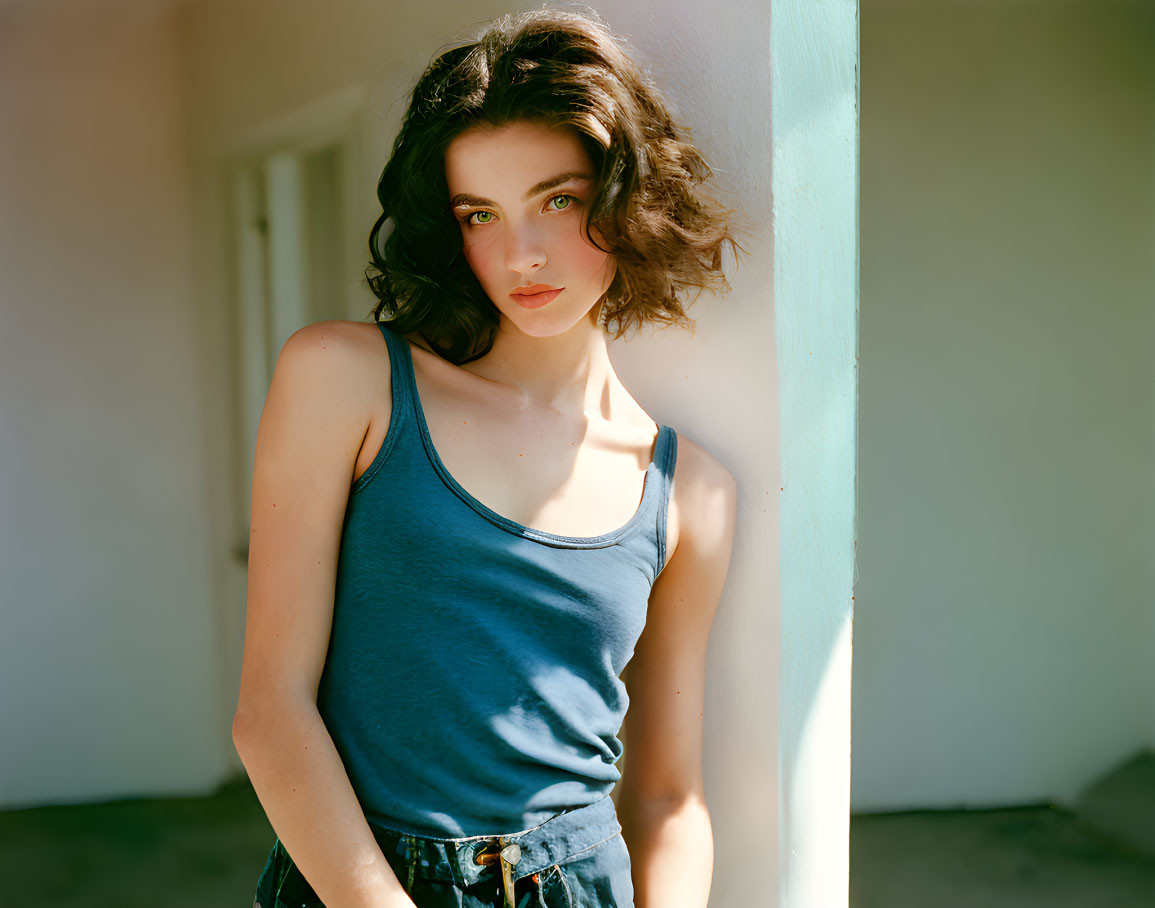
(575, 859)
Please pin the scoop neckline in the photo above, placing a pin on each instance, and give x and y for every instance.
(506, 523)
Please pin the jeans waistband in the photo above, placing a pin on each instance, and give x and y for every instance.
(464, 861)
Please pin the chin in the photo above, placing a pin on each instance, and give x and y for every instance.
(542, 323)
(536, 325)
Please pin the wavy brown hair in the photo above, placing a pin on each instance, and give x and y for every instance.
(563, 70)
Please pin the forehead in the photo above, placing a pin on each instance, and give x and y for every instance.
(511, 158)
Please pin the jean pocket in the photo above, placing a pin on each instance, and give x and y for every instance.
(598, 877)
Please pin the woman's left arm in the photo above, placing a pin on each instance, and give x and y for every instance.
(661, 799)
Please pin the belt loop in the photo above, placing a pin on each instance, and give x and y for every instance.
(510, 855)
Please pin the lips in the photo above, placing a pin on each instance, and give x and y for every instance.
(528, 300)
(532, 289)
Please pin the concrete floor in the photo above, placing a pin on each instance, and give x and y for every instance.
(175, 853)
(202, 852)
(1029, 857)
(1099, 855)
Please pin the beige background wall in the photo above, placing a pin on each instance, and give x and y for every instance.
(1004, 635)
(108, 641)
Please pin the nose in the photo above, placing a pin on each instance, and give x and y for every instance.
(525, 250)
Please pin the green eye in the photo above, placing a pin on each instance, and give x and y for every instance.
(566, 198)
(478, 214)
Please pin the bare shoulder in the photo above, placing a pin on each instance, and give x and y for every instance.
(699, 469)
(351, 354)
(334, 369)
(348, 344)
(359, 341)
(703, 501)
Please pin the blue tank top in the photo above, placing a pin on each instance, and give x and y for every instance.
(471, 684)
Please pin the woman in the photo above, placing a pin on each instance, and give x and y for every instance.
(462, 520)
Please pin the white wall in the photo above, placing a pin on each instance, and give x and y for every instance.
(1004, 639)
(107, 641)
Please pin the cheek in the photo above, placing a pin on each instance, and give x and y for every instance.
(600, 266)
(480, 257)
(585, 257)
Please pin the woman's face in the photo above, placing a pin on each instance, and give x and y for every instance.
(520, 193)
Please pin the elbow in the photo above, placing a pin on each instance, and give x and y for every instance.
(243, 730)
(269, 720)
(657, 804)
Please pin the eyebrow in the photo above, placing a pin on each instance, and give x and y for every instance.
(464, 199)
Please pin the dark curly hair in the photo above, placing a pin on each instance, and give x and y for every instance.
(563, 70)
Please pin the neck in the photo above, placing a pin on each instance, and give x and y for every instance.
(569, 373)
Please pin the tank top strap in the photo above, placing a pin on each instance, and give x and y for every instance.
(401, 366)
(665, 459)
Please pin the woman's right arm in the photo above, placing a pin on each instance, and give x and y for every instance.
(311, 430)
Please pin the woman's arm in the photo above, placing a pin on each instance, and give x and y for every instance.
(314, 421)
(662, 803)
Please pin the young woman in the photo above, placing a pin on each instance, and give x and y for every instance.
(462, 520)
